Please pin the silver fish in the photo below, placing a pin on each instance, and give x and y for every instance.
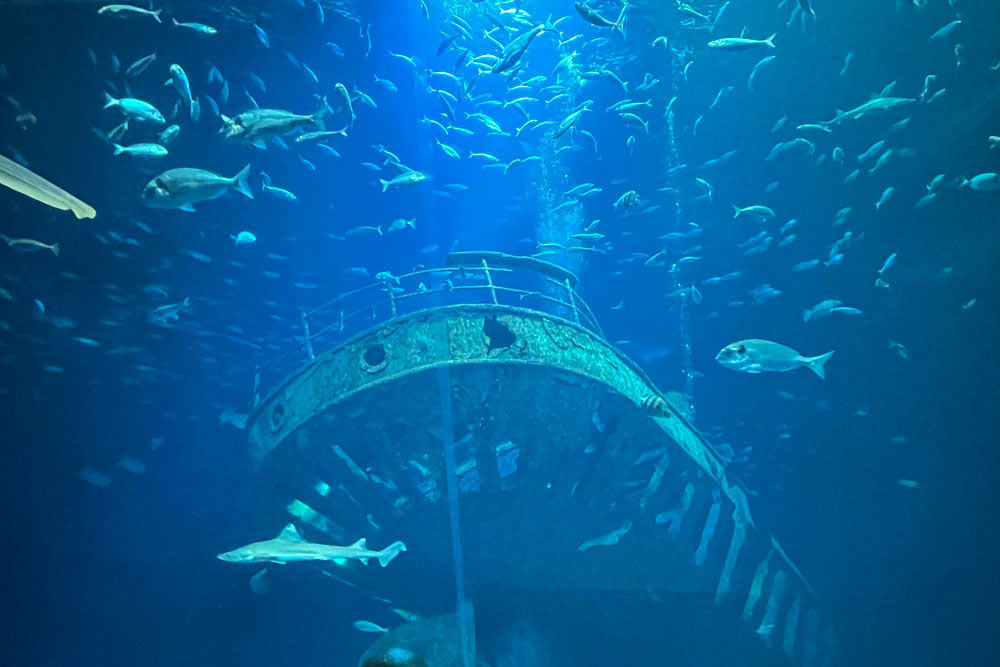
(757, 356)
(184, 187)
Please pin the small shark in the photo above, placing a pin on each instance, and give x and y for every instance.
(873, 105)
(289, 547)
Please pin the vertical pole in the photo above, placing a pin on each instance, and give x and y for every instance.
(572, 300)
(489, 283)
(256, 387)
(308, 338)
(683, 314)
(392, 298)
(463, 606)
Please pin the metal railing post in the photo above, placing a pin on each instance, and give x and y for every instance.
(256, 387)
(392, 299)
(489, 283)
(308, 339)
(572, 300)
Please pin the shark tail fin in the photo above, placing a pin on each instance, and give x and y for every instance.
(816, 364)
(386, 555)
(156, 15)
(241, 182)
(736, 211)
(385, 184)
(109, 101)
(118, 149)
(55, 249)
(770, 40)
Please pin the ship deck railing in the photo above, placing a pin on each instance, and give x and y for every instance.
(468, 278)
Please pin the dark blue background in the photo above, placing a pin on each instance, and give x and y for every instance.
(127, 575)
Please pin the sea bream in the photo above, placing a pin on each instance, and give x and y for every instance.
(289, 547)
(762, 356)
(257, 126)
(184, 187)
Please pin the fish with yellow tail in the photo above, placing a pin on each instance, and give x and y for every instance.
(763, 356)
(289, 547)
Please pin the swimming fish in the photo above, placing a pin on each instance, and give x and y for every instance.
(141, 150)
(756, 356)
(29, 245)
(182, 188)
(126, 11)
(515, 49)
(197, 27)
(406, 178)
(368, 626)
(591, 16)
(257, 126)
(164, 314)
(759, 212)
(30, 184)
(289, 547)
(988, 182)
(179, 81)
(243, 238)
(135, 109)
(741, 43)
(608, 540)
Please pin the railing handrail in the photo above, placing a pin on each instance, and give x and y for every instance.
(381, 294)
(471, 258)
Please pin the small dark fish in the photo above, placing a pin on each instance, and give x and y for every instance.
(443, 46)
(140, 65)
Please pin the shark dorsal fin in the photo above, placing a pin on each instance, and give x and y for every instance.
(289, 534)
(360, 544)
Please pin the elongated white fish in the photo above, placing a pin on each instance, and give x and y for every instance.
(30, 184)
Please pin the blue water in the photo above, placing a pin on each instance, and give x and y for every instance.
(123, 572)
